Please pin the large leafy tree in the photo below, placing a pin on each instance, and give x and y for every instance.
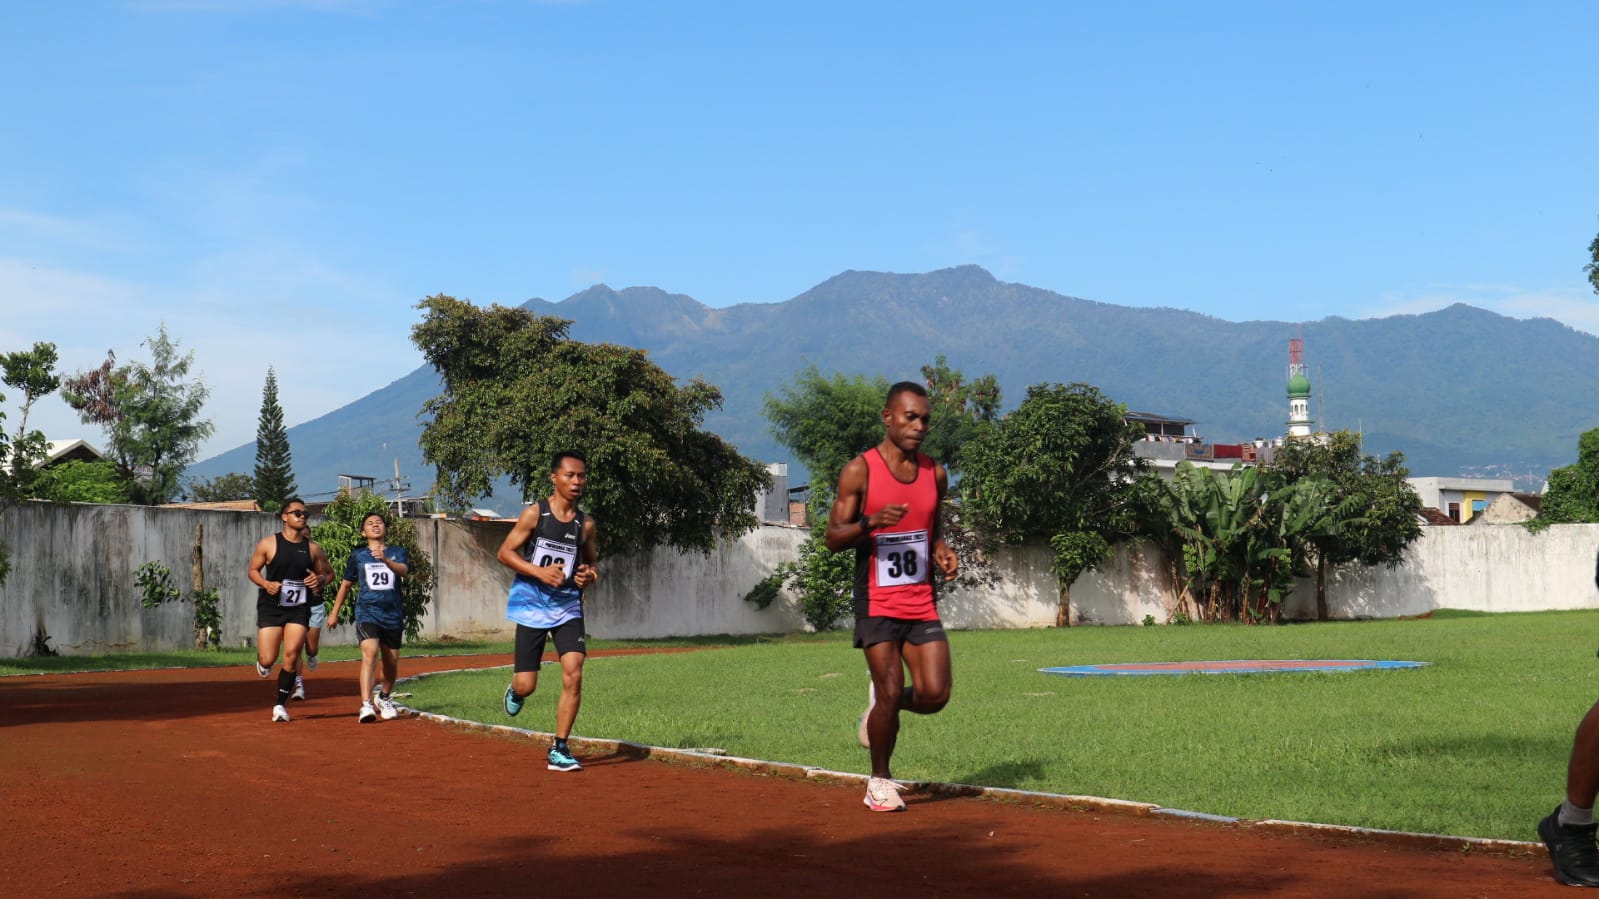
(274, 471)
(1376, 508)
(517, 390)
(827, 420)
(150, 414)
(1059, 468)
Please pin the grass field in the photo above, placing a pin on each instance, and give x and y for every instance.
(1475, 744)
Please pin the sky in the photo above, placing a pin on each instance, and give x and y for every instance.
(279, 182)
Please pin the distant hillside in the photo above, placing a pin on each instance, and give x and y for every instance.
(1458, 390)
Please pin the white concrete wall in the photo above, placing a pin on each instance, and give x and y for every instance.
(73, 581)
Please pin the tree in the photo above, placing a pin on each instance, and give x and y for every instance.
(958, 408)
(827, 421)
(1573, 492)
(274, 472)
(339, 534)
(1060, 467)
(1377, 509)
(81, 482)
(517, 391)
(1592, 268)
(224, 487)
(150, 414)
(32, 372)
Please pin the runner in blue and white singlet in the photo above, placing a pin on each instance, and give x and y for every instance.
(554, 542)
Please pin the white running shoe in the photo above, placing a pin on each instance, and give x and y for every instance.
(263, 670)
(310, 662)
(386, 708)
(299, 688)
(368, 714)
(882, 795)
(871, 702)
(279, 713)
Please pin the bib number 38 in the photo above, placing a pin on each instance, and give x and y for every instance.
(901, 558)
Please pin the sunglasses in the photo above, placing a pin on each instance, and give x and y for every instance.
(297, 513)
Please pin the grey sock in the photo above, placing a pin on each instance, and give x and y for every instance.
(1571, 816)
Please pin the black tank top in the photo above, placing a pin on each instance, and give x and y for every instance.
(291, 562)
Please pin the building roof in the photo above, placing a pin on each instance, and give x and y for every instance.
(70, 450)
(1431, 515)
(1156, 418)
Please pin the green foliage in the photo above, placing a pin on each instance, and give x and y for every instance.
(517, 390)
(150, 414)
(222, 488)
(1592, 268)
(827, 421)
(822, 579)
(1060, 467)
(958, 407)
(274, 470)
(31, 371)
(339, 534)
(77, 481)
(154, 580)
(1573, 494)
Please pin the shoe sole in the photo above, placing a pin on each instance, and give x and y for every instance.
(563, 767)
(884, 808)
(368, 719)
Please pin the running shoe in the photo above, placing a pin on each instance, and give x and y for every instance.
(871, 702)
(263, 670)
(563, 760)
(386, 708)
(299, 688)
(1572, 850)
(513, 703)
(310, 662)
(368, 714)
(882, 795)
(279, 713)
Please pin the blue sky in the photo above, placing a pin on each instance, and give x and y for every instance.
(280, 182)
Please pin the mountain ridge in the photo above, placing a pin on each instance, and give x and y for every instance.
(1426, 384)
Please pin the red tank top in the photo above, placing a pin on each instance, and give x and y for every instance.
(893, 570)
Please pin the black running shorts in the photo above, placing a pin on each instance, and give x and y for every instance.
(391, 637)
(568, 637)
(274, 615)
(880, 629)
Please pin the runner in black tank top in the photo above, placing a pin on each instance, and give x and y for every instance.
(289, 569)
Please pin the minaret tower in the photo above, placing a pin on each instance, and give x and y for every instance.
(1299, 423)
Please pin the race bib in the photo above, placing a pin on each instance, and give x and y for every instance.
(901, 558)
(553, 552)
(292, 593)
(379, 576)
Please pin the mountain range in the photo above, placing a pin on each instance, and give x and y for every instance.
(1460, 391)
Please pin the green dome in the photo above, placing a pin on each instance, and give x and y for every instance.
(1298, 386)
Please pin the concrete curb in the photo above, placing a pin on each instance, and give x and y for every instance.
(715, 758)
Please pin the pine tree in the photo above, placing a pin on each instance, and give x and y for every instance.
(274, 473)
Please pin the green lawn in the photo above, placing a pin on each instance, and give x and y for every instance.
(1473, 745)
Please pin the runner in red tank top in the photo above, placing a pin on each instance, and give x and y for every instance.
(888, 510)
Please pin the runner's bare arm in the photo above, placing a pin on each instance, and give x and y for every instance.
(586, 573)
(510, 554)
(947, 561)
(264, 551)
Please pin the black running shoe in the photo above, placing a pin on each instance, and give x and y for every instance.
(1572, 850)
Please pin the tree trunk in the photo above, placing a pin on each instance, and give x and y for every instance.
(1063, 611)
(200, 634)
(1321, 587)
